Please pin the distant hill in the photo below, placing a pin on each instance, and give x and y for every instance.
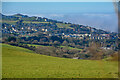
(21, 28)
(53, 24)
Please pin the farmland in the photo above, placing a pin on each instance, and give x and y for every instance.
(61, 25)
(51, 46)
(9, 22)
(14, 22)
(71, 48)
(34, 22)
(22, 63)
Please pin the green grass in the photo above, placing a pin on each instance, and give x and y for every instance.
(37, 45)
(50, 46)
(22, 63)
(13, 22)
(9, 22)
(35, 22)
(62, 25)
(71, 48)
(33, 45)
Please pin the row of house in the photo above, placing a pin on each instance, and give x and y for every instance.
(82, 36)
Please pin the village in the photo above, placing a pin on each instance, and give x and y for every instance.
(12, 29)
(44, 31)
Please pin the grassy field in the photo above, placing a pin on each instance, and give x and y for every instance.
(50, 46)
(61, 25)
(33, 45)
(14, 22)
(22, 63)
(9, 22)
(71, 48)
(35, 22)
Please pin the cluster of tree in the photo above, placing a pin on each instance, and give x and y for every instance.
(57, 51)
(49, 41)
(22, 45)
(96, 53)
(60, 41)
(93, 52)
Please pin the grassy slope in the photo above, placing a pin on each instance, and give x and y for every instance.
(22, 63)
(71, 47)
(50, 46)
(33, 45)
(35, 22)
(14, 22)
(62, 25)
(8, 22)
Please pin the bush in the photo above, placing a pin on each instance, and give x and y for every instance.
(11, 39)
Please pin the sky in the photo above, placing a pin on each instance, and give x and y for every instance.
(95, 14)
(59, 0)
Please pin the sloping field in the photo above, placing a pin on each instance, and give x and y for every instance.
(62, 25)
(35, 22)
(23, 63)
(14, 22)
(8, 22)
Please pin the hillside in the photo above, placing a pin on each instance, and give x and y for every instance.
(22, 63)
(22, 23)
(68, 40)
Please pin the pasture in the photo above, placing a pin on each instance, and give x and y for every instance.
(19, 62)
(62, 25)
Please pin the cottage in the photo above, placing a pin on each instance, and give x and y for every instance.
(45, 20)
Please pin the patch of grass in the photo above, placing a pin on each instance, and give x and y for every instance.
(19, 62)
(13, 22)
(71, 48)
(9, 22)
(35, 22)
(62, 25)
(33, 45)
(50, 46)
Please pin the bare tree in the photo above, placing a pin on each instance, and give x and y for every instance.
(95, 51)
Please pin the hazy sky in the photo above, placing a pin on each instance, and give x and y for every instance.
(96, 14)
(59, 0)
